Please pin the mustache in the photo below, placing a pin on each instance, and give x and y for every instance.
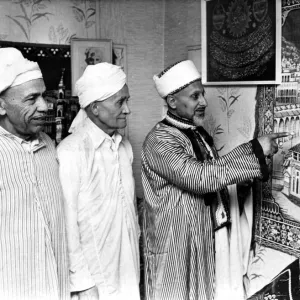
(39, 117)
(201, 108)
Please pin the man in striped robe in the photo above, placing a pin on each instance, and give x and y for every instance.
(186, 215)
(33, 254)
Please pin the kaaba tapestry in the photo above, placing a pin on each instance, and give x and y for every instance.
(278, 212)
(240, 39)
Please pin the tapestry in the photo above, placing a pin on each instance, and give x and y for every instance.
(285, 286)
(278, 212)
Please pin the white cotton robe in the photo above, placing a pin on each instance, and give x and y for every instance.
(102, 226)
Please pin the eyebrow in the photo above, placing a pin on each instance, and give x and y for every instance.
(198, 92)
(124, 98)
(33, 95)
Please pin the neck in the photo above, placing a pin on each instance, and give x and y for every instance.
(110, 132)
(103, 127)
(179, 118)
(173, 113)
(179, 122)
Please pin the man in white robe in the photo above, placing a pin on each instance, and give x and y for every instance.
(98, 185)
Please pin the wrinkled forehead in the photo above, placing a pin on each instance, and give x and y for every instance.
(32, 87)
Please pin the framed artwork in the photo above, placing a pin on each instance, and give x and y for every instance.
(241, 41)
(88, 52)
(278, 211)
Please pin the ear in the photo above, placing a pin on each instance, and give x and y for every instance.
(94, 108)
(171, 101)
(2, 107)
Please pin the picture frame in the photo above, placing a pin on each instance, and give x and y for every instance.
(241, 42)
(88, 52)
(278, 206)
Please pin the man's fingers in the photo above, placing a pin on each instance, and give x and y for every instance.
(278, 135)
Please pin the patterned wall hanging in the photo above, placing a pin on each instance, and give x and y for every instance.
(278, 212)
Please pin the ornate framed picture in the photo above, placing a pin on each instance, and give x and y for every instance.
(241, 42)
(88, 52)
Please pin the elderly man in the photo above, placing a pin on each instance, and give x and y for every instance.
(33, 250)
(97, 180)
(186, 199)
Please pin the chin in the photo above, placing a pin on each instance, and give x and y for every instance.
(198, 121)
(36, 130)
(122, 125)
(39, 128)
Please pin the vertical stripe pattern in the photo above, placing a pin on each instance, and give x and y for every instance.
(33, 258)
(178, 233)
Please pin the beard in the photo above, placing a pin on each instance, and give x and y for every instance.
(198, 120)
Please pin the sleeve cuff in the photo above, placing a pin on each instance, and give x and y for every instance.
(259, 153)
(79, 281)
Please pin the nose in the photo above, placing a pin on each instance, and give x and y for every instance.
(126, 109)
(202, 101)
(42, 105)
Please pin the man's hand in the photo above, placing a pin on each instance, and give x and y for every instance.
(90, 294)
(268, 142)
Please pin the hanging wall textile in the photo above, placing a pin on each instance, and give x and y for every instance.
(278, 211)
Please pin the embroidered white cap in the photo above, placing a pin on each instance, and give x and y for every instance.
(176, 77)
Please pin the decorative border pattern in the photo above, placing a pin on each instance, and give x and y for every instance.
(40, 50)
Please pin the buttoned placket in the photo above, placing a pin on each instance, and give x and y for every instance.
(35, 183)
(115, 149)
(37, 200)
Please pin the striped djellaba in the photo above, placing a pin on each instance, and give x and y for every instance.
(33, 254)
(178, 231)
